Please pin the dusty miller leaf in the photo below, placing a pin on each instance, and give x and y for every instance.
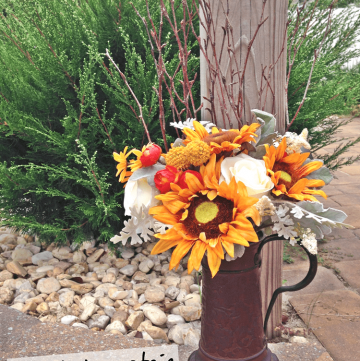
(267, 121)
(147, 172)
(259, 153)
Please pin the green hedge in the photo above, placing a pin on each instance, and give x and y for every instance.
(64, 110)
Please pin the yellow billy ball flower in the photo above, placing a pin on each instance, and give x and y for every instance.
(178, 158)
(198, 152)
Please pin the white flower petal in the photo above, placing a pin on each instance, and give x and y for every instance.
(250, 171)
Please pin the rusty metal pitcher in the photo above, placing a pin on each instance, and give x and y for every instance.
(232, 323)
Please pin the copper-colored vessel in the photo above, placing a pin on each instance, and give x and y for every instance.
(231, 321)
(232, 325)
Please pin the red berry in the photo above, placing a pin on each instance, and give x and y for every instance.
(163, 178)
(150, 155)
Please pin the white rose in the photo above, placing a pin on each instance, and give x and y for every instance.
(250, 171)
(139, 193)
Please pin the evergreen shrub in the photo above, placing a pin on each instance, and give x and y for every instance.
(64, 110)
(334, 89)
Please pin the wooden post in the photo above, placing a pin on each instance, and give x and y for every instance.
(263, 88)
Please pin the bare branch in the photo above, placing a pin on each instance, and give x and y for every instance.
(132, 93)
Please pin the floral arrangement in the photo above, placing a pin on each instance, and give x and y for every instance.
(215, 189)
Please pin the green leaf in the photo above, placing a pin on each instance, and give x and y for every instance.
(267, 121)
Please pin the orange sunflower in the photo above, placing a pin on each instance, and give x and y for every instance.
(219, 140)
(288, 173)
(207, 216)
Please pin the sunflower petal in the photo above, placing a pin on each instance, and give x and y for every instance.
(280, 151)
(309, 168)
(200, 129)
(162, 214)
(174, 206)
(298, 187)
(315, 183)
(295, 160)
(202, 237)
(229, 247)
(214, 261)
(315, 191)
(197, 254)
(252, 213)
(212, 195)
(218, 248)
(184, 215)
(193, 183)
(163, 245)
(224, 227)
(179, 252)
(234, 236)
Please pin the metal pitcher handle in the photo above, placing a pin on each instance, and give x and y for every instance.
(302, 284)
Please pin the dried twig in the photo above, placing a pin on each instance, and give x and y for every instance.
(140, 116)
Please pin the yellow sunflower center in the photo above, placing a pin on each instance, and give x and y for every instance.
(288, 178)
(285, 176)
(206, 216)
(206, 212)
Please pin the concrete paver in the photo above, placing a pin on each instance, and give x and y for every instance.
(346, 199)
(325, 357)
(25, 336)
(325, 280)
(331, 309)
(310, 351)
(350, 271)
(353, 213)
(334, 317)
(339, 250)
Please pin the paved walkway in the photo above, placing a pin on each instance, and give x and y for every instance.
(330, 306)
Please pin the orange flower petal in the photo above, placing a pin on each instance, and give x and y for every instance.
(214, 261)
(179, 252)
(212, 195)
(200, 129)
(277, 192)
(315, 183)
(197, 254)
(252, 213)
(213, 242)
(295, 159)
(309, 168)
(280, 151)
(224, 227)
(229, 247)
(298, 187)
(314, 191)
(164, 245)
(174, 206)
(218, 248)
(184, 215)
(202, 237)
(193, 183)
(163, 215)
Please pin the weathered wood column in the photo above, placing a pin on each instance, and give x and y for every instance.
(263, 87)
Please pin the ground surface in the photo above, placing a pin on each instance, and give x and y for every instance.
(330, 306)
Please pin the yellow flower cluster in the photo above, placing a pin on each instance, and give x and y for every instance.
(195, 153)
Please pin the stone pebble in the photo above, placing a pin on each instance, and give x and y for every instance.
(92, 289)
